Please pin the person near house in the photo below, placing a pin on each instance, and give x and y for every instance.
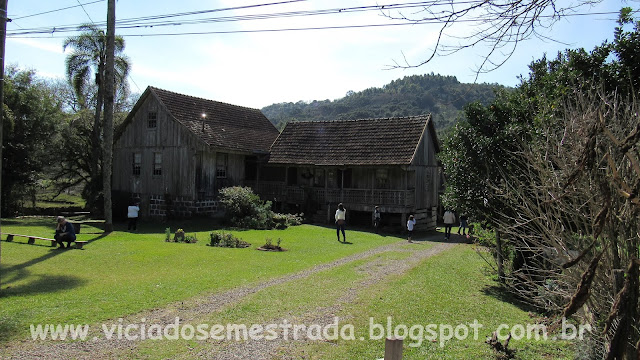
(376, 218)
(410, 224)
(341, 219)
(449, 219)
(132, 215)
(65, 232)
(463, 224)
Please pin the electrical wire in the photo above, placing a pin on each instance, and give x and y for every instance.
(56, 10)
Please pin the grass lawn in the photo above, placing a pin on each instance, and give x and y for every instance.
(439, 291)
(451, 289)
(124, 273)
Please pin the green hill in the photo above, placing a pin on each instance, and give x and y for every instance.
(442, 96)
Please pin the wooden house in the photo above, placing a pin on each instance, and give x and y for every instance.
(391, 163)
(174, 152)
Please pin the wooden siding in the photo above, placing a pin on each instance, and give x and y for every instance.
(183, 158)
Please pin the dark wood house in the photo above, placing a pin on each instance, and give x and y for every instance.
(174, 152)
(362, 163)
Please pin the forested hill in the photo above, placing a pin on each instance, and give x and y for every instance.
(442, 96)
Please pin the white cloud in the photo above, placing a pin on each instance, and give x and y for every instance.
(46, 45)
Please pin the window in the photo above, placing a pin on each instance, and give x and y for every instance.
(152, 120)
(382, 178)
(221, 165)
(137, 162)
(157, 163)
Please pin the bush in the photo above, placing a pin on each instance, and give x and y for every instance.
(179, 236)
(218, 239)
(244, 209)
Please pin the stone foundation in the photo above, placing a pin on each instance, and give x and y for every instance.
(182, 207)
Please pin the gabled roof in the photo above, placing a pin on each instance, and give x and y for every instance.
(226, 126)
(390, 141)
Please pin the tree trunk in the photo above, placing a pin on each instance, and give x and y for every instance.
(3, 33)
(96, 144)
(499, 256)
(108, 116)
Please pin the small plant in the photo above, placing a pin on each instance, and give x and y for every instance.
(218, 239)
(215, 238)
(268, 245)
(178, 236)
(191, 239)
(167, 234)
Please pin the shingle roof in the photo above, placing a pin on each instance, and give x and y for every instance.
(225, 126)
(391, 141)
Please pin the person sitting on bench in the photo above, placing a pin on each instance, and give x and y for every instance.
(64, 232)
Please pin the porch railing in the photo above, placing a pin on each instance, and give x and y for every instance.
(297, 194)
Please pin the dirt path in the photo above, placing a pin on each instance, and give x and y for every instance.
(99, 347)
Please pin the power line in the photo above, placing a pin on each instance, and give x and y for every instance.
(85, 11)
(148, 21)
(56, 10)
(421, 22)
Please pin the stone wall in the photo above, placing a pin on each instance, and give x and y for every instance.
(159, 206)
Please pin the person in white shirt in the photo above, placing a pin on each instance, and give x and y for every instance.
(449, 219)
(132, 214)
(410, 224)
(341, 219)
(376, 218)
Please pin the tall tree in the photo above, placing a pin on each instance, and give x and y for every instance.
(564, 191)
(32, 123)
(3, 33)
(86, 66)
(109, 95)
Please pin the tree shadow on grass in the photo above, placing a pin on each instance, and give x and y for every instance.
(503, 295)
(11, 325)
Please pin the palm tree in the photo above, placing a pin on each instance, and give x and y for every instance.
(86, 66)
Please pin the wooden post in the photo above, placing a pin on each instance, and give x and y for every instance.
(393, 349)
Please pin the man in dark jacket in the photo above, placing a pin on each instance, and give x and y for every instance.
(65, 232)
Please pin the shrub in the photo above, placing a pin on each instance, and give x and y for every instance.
(218, 239)
(244, 209)
(268, 245)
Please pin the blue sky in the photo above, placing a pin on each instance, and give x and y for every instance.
(261, 68)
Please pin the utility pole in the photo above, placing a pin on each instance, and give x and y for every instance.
(109, 95)
(3, 35)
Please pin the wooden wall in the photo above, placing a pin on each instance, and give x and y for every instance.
(188, 165)
(427, 175)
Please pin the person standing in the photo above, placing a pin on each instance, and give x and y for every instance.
(463, 224)
(65, 232)
(410, 224)
(376, 218)
(132, 215)
(449, 219)
(341, 219)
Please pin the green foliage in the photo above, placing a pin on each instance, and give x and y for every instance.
(32, 120)
(223, 239)
(442, 96)
(268, 244)
(245, 209)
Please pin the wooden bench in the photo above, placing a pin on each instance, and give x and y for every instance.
(32, 239)
(77, 225)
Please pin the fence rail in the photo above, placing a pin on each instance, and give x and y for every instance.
(297, 194)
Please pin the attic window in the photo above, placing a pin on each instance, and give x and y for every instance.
(152, 120)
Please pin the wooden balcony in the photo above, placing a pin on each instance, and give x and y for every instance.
(298, 195)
